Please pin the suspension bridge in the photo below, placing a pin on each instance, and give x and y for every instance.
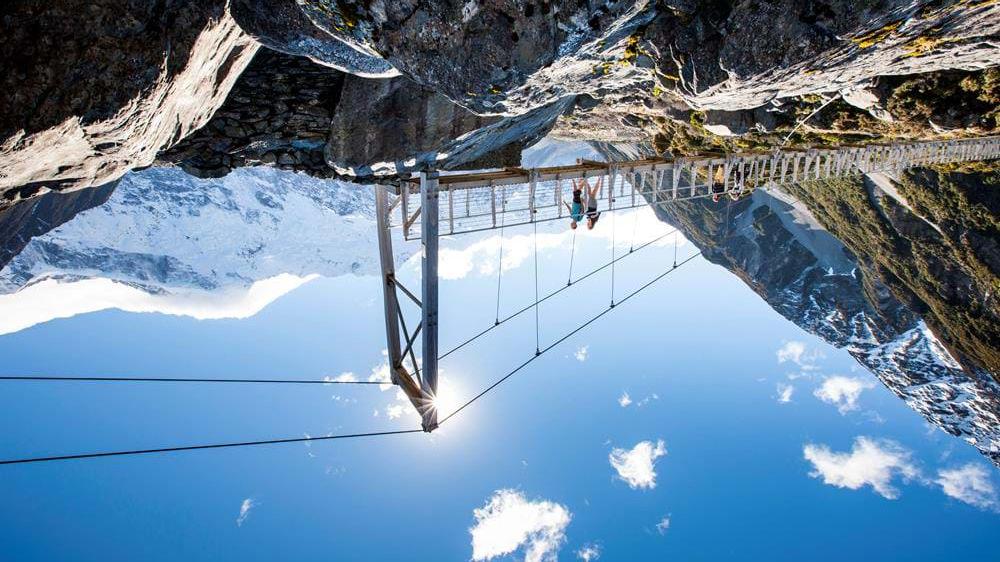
(435, 204)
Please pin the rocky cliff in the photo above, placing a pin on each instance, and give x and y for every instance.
(90, 90)
(94, 89)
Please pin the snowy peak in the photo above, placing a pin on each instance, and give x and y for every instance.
(166, 241)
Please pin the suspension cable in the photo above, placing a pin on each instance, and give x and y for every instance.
(572, 253)
(537, 337)
(635, 226)
(556, 292)
(517, 369)
(503, 220)
(675, 247)
(169, 379)
(200, 447)
(613, 249)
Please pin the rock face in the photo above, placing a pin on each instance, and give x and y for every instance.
(278, 113)
(395, 120)
(93, 89)
(282, 25)
(771, 50)
(291, 113)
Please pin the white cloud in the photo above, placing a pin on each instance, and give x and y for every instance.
(581, 353)
(842, 392)
(394, 411)
(343, 377)
(637, 466)
(646, 400)
(785, 392)
(870, 462)
(625, 400)
(380, 373)
(796, 352)
(663, 525)
(791, 351)
(50, 299)
(971, 484)
(509, 522)
(588, 552)
(245, 508)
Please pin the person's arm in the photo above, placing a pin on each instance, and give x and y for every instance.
(568, 207)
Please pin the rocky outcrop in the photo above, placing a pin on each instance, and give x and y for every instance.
(94, 89)
(278, 113)
(773, 50)
(283, 26)
(392, 121)
(291, 113)
(91, 90)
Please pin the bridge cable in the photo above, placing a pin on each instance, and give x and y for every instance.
(572, 253)
(613, 249)
(517, 369)
(725, 235)
(675, 247)
(557, 291)
(503, 220)
(207, 446)
(168, 379)
(537, 338)
(635, 226)
(175, 449)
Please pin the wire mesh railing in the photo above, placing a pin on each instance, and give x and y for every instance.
(491, 200)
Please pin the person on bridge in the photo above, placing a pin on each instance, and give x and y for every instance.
(575, 211)
(718, 187)
(592, 199)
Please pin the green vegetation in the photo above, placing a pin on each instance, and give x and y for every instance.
(954, 99)
(963, 103)
(877, 36)
(951, 277)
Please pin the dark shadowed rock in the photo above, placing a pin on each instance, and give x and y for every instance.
(280, 106)
(283, 26)
(90, 90)
(393, 120)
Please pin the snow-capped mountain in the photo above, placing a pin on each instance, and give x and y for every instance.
(210, 248)
(168, 242)
(776, 246)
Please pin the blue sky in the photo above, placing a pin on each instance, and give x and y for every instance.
(704, 460)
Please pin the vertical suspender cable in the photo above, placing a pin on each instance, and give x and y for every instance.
(725, 234)
(675, 248)
(635, 227)
(572, 253)
(613, 224)
(503, 217)
(538, 349)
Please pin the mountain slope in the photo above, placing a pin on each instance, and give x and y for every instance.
(776, 245)
(184, 245)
